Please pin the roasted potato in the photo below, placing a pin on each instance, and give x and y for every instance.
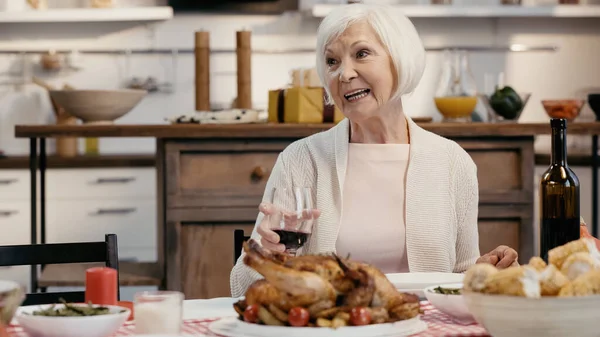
(267, 317)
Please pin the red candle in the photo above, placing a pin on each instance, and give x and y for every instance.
(101, 286)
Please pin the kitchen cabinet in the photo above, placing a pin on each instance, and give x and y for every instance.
(82, 205)
(15, 219)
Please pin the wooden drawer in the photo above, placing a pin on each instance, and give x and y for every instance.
(101, 183)
(14, 185)
(15, 223)
(134, 222)
(510, 225)
(504, 169)
(225, 174)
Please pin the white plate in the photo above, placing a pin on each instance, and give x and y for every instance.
(209, 308)
(233, 327)
(415, 282)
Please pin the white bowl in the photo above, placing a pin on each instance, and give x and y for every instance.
(88, 326)
(505, 316)
(414, 283)
(98, 106)
(453, 305)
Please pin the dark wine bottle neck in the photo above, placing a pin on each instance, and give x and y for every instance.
(559, 147)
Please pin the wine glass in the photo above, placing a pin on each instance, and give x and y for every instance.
(293, 217)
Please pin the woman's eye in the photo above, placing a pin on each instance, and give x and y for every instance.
(362, 53)
(330, 62)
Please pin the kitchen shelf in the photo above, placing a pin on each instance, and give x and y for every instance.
(507, 11)
(132, 14)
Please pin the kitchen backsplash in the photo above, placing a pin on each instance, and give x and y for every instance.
(571, 71)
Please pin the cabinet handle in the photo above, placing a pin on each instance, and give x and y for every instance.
(105, 211)
(259, 173)
(6, 214)
(8, 181)
(122, 180)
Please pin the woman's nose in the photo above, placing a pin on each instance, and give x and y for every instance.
(347, 73)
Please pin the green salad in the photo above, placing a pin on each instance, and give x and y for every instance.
(70, 310)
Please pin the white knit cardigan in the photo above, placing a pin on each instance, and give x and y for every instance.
(441, 199)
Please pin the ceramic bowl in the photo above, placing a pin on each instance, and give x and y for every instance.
(568, 109)
(453, 305)
(505, 316)
(11, 297)
(88, 326)
(98, 106)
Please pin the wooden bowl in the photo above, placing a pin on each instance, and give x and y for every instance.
(98, 106)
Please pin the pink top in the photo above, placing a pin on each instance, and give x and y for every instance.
(372, 225)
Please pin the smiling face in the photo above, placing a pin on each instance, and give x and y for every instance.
(360, 74)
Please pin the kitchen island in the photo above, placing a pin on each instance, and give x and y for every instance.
(211, 178)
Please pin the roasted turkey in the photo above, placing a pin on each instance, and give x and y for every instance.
(324, 284)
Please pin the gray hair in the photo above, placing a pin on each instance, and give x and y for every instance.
(396, 32)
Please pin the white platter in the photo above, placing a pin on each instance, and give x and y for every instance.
(415, 282)
(233, 327)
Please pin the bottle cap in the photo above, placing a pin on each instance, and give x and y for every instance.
(558, 123)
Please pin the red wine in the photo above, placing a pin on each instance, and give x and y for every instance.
(559, 195)
(291, 240)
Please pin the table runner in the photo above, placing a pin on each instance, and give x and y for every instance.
(439, 325)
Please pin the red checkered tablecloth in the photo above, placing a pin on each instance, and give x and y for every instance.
(439, 325)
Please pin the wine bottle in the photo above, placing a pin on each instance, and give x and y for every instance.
(559, 195)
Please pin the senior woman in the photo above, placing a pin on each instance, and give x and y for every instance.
(387, 191)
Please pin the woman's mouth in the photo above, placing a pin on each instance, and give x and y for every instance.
(355, 95)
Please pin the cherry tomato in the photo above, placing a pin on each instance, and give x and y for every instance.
(251, 314)
(360, 316)
(298, 316)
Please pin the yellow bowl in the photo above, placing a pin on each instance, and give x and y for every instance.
(456, 107)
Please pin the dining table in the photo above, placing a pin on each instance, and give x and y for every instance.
(198, 315)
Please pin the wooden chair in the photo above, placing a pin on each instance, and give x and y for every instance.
(58, 253)
(238, 240)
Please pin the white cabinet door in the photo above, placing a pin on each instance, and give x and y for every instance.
(14, 223)
(108, 183)
(14, 185)
(134, 221)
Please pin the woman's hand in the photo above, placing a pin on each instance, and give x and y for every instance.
(270, 239)
(501, 257)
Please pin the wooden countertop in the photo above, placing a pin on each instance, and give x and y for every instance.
(284, 130)
(99, 161)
